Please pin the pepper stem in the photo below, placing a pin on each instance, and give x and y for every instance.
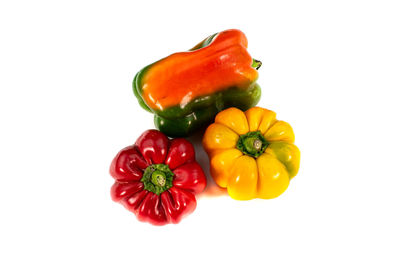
(252, 143)
(256, 64)
(157, 178)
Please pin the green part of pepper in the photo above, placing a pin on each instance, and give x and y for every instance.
(178, 123)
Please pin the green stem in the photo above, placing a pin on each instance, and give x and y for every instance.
(256, 64)
(157, 178)
(252, 143)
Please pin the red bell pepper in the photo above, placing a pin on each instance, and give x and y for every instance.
(157, 178)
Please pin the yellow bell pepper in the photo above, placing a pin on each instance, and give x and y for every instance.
(251, 153)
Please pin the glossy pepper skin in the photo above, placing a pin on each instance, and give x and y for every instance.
(186, 90)
(251, 153)
(157, 178)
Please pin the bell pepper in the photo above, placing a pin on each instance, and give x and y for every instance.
(251, 153)
(157, 178)
(186, 90)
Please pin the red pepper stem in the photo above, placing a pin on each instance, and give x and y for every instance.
(157, 178)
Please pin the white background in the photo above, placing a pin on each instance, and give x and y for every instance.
(330, 68)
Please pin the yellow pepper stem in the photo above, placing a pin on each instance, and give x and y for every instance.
(252, 143)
